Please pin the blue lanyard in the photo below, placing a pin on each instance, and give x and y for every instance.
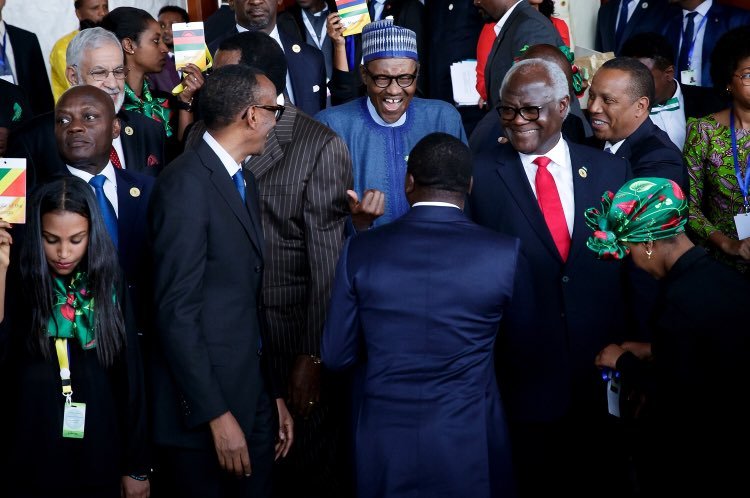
(744, 185)
(695, 37)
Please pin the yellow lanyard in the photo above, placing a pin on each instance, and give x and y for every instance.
(61, 346)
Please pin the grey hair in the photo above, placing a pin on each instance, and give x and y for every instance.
(88, 39)
(560, 87)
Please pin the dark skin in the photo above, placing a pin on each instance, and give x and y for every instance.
(419, 193)
(256, 15)
(312, 6)
(85, 124)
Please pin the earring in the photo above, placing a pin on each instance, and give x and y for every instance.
(649, 252)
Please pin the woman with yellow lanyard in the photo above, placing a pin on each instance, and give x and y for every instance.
(73, 397)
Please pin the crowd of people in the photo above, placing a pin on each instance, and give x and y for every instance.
(305, 272)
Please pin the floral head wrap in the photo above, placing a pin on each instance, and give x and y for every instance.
(644, 209)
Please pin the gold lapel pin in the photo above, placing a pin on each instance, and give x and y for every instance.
(582, 172)
(135, 192)
(296, 48)
(128, 130)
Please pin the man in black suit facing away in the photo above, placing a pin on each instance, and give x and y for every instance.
(618, 20)
(213, 418)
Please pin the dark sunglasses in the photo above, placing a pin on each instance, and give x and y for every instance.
(277, 110)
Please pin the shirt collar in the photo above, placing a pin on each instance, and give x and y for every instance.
(108, 172)
(499, 26)
(702, 9)
(376, 117)
(614, 147)
(226, 159)
(558, 154)
(2, 28)
(438, 204)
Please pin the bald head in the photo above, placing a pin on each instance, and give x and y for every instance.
(552, 54)
(85, 124)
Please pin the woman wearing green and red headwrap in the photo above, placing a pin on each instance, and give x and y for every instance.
(693, 371)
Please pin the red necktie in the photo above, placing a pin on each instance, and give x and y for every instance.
(549, 202)
(114, 158)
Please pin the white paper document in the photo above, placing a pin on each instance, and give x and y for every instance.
(464, 82)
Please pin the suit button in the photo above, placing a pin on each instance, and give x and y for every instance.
(565, 279)
(258, 268)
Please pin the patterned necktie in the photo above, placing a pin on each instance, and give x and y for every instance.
(114, 158)
(687, 42)
(622, 23)
(552, 210)
(108, 212)
(239, 182)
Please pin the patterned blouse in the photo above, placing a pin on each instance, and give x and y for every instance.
(715, 196)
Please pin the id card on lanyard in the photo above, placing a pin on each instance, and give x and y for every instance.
(688, 76)
(741, 220)
(74, 414)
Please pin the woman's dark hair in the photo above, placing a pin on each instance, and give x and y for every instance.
(731, 48)
(127, 22)
(73, 195)
(547, 7)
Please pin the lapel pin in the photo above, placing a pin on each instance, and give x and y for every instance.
(582, 172)
(135, 192)
(128, 130)
(644, 5)
(450, 7)
(316, 88)
(296, 48)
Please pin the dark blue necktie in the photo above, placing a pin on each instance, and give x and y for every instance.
(239, 182)
(108, 212)
(687, 42)
(620, 32)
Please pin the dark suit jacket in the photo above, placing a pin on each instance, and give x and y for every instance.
(307, 70)
(648, 16)
(208, 266)
(452, 30)
(721, 19)
(651, 152)
(218, 23)
(525, 26)
(701, 101)
(142, 143)
(565, 312)
(30, 69)
(15, 109)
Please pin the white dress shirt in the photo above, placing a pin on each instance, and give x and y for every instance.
(275, 35)
(696, 63)
(672, 120)
(435, 203)
(226, 159)
(109, 187)
(613, 148)
(632, 4)
(562, 172)
(9, 58)
(499, 26)
(377, 8)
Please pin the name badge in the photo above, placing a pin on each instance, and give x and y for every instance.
(74, 420)
(742, 222)
(613, 396)
(688, 77)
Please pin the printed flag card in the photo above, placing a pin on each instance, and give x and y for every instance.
(13, 190)
(354, 15)
(189, 44)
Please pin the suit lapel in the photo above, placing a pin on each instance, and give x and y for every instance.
(130, 145)
(129, 191)
(514, 176)
(587, 192)
(225, 186)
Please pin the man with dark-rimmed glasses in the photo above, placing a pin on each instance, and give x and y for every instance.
(533, 188)
(382, 127)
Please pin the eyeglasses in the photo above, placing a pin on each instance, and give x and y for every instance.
(384, 81)
(744, 78)
(277, 110)
(120, 73)
(529, 112)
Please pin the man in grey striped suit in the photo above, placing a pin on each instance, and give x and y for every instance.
(302, 177)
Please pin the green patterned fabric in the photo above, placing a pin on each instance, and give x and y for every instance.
(643, 209)
(153, 107)
(714, 196)
(73, 311)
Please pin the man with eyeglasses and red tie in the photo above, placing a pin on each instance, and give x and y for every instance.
(94, 57)
(533, 188)
(382, 127)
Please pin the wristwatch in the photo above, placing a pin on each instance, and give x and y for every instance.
(185, 106)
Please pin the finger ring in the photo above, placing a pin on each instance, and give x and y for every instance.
(311, 403)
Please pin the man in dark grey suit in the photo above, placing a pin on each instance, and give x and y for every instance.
(518, 25)
(303, 177)
(213, 419)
